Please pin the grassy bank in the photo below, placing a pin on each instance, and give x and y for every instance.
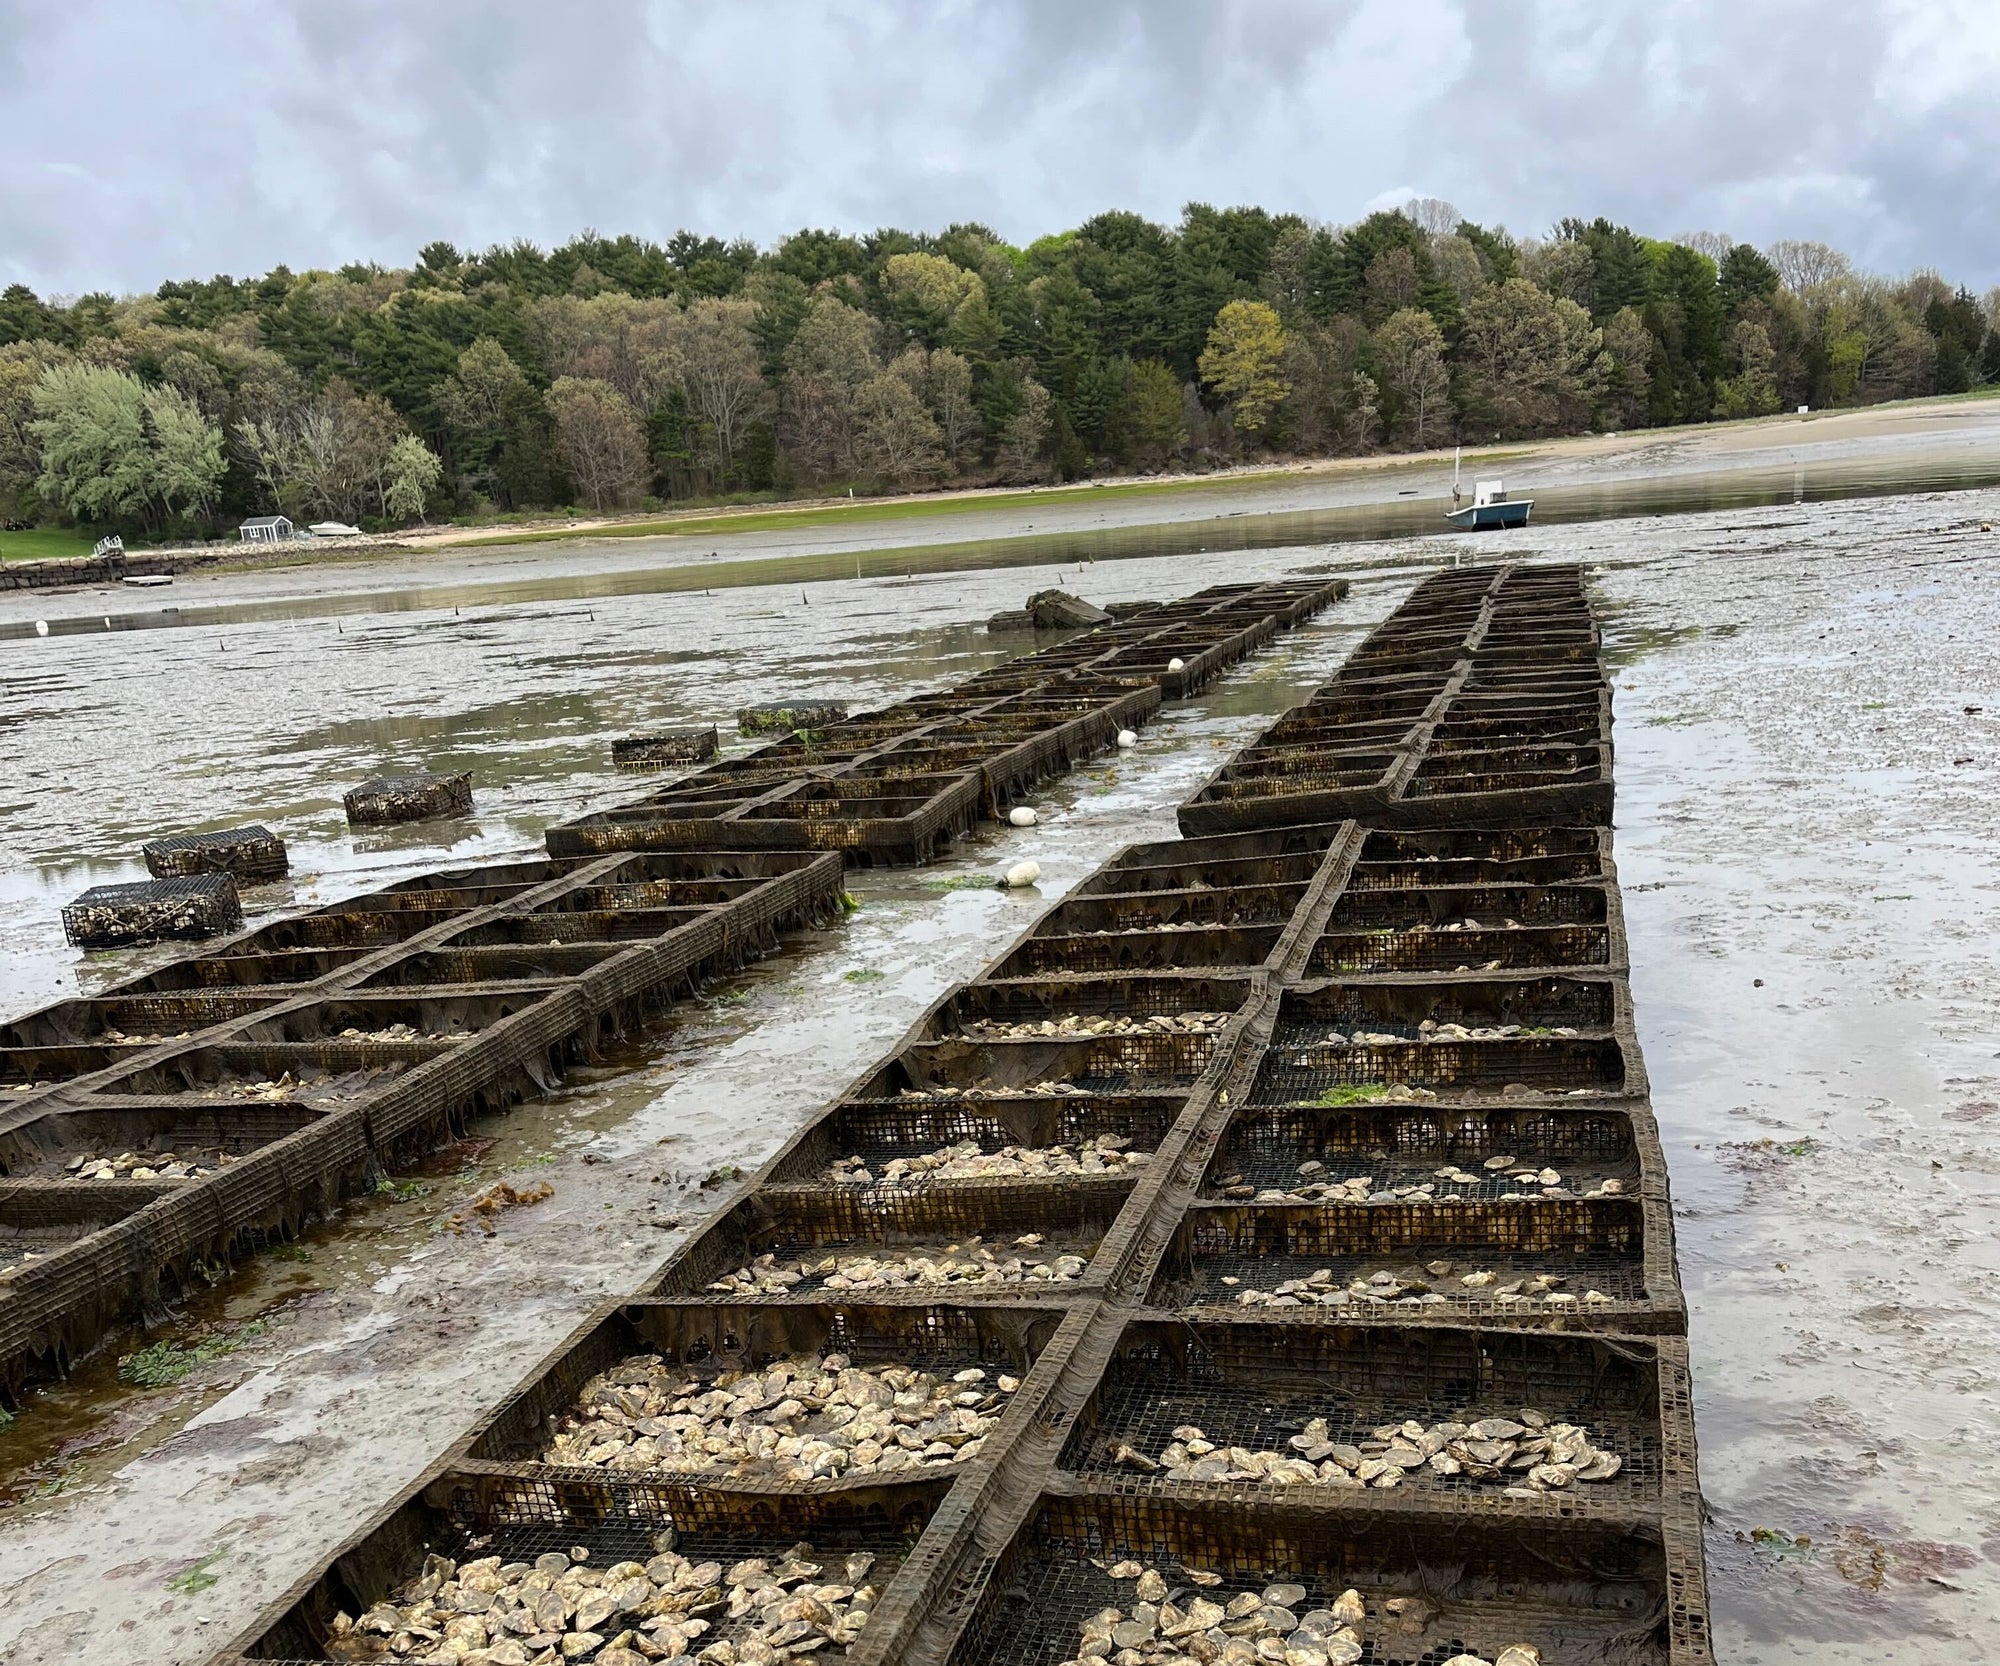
(43, 544)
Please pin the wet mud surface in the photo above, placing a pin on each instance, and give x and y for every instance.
(1812, 887)
(1803, 800)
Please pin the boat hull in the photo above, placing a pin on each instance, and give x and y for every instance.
(1485, 517)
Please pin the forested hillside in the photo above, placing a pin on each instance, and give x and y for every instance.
(614, 372)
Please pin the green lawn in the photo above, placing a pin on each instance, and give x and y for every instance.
(43, 544)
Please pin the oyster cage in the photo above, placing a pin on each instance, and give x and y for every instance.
(892, 787)
(244, 852)
(1434, 1174)
(414, 797)
(153, 910)
(664, 746)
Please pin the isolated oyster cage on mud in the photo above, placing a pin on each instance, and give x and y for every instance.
(152, 911)
(414, 796)
(663, 747)
(244, 852)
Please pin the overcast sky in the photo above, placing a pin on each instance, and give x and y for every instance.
(144, 139)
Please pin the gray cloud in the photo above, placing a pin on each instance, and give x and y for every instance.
(146, 141)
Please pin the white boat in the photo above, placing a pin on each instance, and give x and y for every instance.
(1490, 506)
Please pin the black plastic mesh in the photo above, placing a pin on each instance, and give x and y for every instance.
(1223, 1250)
(1528, 948)
(1601, 1604)
(1256, 1387)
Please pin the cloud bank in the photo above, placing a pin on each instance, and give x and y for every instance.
(147, 141)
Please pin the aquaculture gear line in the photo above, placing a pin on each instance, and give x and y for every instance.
(1378, 1355)
(297, 1061)
(888, 787)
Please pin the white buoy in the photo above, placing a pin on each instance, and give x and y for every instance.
(1126, 739)
(1022, 874)
(1176, 665)
(41, 627)
(1022, 816)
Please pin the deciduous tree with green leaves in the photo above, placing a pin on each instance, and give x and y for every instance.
(1243, 362)
(114, 449)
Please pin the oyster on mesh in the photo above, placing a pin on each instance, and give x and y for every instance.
(806, 1418)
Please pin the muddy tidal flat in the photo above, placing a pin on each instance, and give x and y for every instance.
(1808, 738)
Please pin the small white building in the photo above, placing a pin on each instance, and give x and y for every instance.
(266, 529)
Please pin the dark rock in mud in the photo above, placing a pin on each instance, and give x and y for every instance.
(244, 852)
(1050, 610)
(418, 797)
(116, 916)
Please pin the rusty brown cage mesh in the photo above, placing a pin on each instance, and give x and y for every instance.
(1099, 1064)
(43, 1147)
(153, 910)
(1437, 905)
(245, 852)
(1461, 949)
(1515, 1291)
(131, 1019)
(1221, 874)
(417, 796)
(1533, 1004)
(1223, 1250)
(1176, 947)
(1051, 999)
(664, 747)
(1304, 1072)
(973, 1227)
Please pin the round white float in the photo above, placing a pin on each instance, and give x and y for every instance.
(1127, 739)
(1023, 874)
(1022, 816)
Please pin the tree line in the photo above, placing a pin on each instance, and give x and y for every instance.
(613, 373)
